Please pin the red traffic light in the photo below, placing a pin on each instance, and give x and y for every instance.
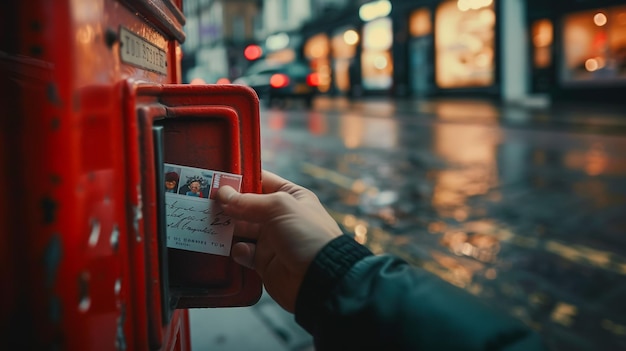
(252, 52)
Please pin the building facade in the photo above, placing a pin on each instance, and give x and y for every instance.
(509, 50)
(217, 33)
(577, 50)
(420, 48)
(280, 38)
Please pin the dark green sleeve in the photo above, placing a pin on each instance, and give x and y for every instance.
(353, 300)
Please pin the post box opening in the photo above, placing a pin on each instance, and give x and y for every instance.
(205, 127)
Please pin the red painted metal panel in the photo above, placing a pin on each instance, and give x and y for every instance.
(223, 138)
(78, 218)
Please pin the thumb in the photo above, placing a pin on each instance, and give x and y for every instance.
(243, 253)
(249, 207)
(225, 193)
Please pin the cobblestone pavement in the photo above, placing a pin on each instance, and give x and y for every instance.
(529, 216)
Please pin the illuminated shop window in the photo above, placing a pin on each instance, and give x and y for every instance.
(542, 37)
(317, 51)
(594, 46)
(464, 43)
(376, 60)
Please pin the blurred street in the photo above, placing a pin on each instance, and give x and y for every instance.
(522, 206)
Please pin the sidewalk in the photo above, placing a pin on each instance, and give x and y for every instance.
(262, 327)
(533, 113)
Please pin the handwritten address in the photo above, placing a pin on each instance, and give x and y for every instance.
(194, 224)
(194, 220)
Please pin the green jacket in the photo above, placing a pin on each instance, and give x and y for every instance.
(353, 300)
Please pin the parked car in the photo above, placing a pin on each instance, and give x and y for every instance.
(274, 81)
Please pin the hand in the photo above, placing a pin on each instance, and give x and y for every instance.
(290, 227)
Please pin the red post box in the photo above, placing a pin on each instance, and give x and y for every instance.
(94, 109)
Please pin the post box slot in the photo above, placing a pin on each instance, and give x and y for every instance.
(207, 142)
(207, 127)
(161, 226)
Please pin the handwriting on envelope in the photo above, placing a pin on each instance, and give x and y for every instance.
(194, 223)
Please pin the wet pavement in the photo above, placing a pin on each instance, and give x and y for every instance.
(523, 207)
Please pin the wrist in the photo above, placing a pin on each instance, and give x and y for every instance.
(327, 269)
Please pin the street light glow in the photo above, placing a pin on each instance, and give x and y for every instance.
(277, 41)
(375, 9)
(351, 37)
(592, 65)
(600, 19)
(465, 5)
(380, 62)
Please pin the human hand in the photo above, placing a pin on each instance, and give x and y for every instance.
(290, 227)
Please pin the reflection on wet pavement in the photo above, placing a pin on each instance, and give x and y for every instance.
(532, 221)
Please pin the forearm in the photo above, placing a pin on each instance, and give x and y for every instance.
(351, 299)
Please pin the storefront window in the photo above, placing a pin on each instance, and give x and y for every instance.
(464, 44)
(542, 43)
(316, 50)
(376, 60)
(594, 46)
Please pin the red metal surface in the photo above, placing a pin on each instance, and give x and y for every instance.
(211, 127)
(77, 214)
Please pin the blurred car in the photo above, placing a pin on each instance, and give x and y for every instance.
(274, 81)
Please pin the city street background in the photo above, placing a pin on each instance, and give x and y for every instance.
(522, 206)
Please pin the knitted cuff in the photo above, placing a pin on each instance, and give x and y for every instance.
(326, 270)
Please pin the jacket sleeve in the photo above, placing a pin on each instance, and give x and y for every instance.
(353, 300)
